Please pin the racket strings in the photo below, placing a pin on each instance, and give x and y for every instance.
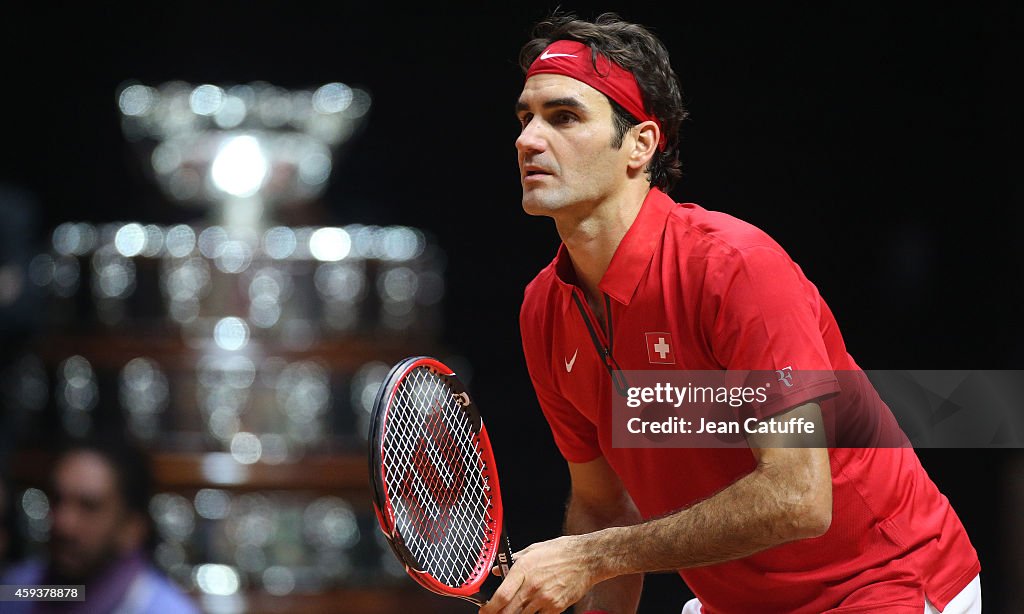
(436, 476)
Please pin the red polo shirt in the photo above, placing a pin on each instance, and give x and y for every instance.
(692, 289)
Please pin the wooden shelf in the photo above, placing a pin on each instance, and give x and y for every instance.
(219, 469)
(340, 474)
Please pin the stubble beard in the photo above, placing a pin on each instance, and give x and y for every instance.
(86, 565)
(546, 202)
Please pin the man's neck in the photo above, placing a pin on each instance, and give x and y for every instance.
(593, 238)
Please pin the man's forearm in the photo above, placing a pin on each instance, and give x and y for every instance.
(763, 509)
(620, 593)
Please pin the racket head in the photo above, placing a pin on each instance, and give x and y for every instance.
(435, 481)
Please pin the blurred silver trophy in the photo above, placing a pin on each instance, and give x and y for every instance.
(243, 150)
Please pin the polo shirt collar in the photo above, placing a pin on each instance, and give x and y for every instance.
(632, 256)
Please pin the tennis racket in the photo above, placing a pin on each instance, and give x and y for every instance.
(435, 482)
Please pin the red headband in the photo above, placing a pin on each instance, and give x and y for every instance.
(572, 59)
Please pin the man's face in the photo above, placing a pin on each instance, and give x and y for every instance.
(89, 516)
(566, 160)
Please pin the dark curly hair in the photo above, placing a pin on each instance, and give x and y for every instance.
(637, 50)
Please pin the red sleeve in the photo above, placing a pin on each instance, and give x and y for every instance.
(574, 434)
(765, 317)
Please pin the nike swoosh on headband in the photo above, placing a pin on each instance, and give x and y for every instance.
(547, 54)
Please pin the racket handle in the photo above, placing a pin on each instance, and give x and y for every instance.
(505, 559)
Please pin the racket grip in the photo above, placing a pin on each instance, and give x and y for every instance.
(505, 558)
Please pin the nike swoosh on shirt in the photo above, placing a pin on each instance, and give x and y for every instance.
(547, 55)
(570, 363)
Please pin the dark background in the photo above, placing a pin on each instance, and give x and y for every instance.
(880, 145)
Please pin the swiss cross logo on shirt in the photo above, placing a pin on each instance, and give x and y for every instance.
(659, 348)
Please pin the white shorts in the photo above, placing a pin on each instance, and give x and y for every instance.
(967, 601)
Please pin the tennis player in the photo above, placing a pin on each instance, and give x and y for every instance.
(640, 283)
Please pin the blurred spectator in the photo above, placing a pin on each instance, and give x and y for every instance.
(99, 495)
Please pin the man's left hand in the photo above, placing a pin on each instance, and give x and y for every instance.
(547, 578)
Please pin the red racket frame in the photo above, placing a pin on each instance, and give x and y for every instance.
(498, 552)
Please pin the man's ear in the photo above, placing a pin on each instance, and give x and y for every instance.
(645, 144)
